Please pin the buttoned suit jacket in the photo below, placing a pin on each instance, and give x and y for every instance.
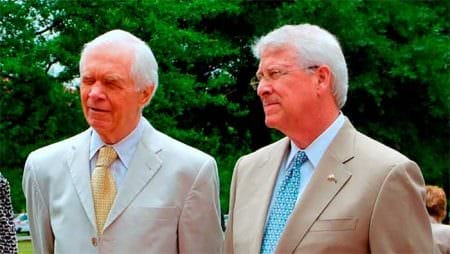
(363, 197)
(168, 202)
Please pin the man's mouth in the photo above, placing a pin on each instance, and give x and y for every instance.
(269, 103)
(97, 109)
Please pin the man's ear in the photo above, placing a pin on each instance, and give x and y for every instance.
(146, 94)
(324, 78)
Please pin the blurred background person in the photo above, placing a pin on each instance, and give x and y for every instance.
(437, 209)
(8, 241)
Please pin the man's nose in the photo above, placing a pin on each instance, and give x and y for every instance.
(264, 87)
(97, 91)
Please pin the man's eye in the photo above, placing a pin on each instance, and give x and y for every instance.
(275, 74)
(259, 77)
(109, 82)
(88, 81)
(112, 83)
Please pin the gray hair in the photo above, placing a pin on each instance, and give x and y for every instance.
(144, 69)
(314, 46)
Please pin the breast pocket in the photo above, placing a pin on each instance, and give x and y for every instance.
(143, 221)
(341, 224)
(151, 228)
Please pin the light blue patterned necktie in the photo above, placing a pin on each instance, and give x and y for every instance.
(283, 204)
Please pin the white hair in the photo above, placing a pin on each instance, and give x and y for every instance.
(144, 69)
(314, 46)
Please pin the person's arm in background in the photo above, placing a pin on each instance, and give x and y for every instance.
(8, 240)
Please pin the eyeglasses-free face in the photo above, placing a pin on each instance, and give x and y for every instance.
(110, 100)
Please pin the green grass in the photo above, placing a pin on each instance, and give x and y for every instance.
(25, 247)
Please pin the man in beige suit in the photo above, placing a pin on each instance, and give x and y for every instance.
(152, 194)
(325, 188)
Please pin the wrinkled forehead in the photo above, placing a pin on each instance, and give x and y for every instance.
(278, 55)
(117, 52)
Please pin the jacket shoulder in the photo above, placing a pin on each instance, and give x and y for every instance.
(174, 148)
(373, 150)
(264, 151)
(54, 151)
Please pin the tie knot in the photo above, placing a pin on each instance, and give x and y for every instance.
(106, 156)
(300, 158)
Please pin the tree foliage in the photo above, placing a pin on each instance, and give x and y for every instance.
(397, 52)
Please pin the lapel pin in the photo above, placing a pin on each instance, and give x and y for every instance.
(331, 178)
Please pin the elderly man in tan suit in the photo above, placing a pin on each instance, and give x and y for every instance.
(325, 188)
(121, 186)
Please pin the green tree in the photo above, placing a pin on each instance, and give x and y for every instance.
(398, 68)
(397, 52)
(191, 103)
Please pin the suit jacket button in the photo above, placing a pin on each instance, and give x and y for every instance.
(94, 241)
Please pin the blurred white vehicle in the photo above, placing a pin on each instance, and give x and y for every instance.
(21, 223)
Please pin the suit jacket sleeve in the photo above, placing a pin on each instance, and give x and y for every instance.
(399, 211)
(229, 243)
(199, 228)
(37, 208)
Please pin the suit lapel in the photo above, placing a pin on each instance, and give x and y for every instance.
(78, 162)
(320, 190)
(143, 167)
(315, 199)
(264, 182)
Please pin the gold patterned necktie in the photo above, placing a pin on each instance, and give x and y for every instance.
(103, 185)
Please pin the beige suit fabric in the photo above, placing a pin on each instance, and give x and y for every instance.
(375, 204)
(168, 202)
(441, 236)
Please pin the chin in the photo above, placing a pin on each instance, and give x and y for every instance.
(276, 121)
(271, 122)
(99, 126)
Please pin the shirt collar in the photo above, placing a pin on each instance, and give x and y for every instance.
(317, 148)
(125, 148)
